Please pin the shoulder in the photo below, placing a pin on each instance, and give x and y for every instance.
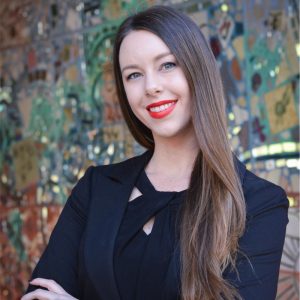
(117, 171)
(122, 164)
(95, 179)
(124, 169)
(261, 195)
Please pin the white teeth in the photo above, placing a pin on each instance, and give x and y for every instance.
(161, 107)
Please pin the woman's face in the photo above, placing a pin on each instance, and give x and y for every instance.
(155, 85)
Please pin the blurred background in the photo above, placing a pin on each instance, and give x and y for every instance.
(59, 111)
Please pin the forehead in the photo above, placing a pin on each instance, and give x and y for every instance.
(141, 45)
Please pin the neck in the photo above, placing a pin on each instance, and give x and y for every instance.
(173, 157)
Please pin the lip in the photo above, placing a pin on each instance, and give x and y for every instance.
(163, 113)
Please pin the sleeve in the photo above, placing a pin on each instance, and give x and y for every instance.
(261, 246)
(59, 261)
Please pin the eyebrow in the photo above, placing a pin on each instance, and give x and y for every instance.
(156, 58)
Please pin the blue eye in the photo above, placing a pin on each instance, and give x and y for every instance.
(168, 66)
(133, 76)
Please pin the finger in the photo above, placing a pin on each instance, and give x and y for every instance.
(50, 284)
(40, 295)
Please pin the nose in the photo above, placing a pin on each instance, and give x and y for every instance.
(153, 86)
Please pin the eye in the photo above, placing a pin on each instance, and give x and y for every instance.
(168, 66)
(133, 76)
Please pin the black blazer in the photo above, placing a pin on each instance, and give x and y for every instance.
(79, 255)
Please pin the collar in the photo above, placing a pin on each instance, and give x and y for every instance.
(122, 172)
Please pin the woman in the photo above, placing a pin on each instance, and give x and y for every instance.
(185, 220)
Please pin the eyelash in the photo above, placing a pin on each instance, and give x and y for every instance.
(132, 77)
(163, 67)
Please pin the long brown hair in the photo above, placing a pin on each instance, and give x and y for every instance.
(213, 213)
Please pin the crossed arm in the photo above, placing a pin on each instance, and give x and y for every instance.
(54, 292)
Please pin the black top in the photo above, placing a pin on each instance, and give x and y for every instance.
(81, 250)
(142, 259)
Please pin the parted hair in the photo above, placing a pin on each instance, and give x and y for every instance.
(213, 213)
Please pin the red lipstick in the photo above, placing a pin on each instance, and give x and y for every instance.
(160, 109)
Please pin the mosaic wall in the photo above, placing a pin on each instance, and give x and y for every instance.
(59, 112)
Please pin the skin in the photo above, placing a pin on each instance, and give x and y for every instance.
(151, 74)
(55, 291)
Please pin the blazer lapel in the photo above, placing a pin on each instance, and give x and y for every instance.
(110, 191)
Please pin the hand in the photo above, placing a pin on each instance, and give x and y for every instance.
(55, 291)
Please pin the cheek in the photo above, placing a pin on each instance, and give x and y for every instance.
(133, 93)
(179, 82)
(132, 98)
(129, 89)
(185, 88)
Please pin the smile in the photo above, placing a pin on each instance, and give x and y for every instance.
(161, 109)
